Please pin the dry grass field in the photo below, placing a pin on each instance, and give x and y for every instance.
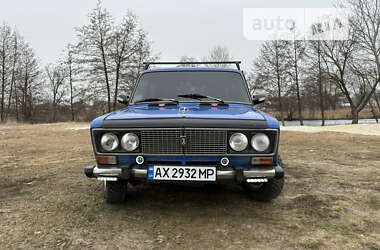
(331, 199)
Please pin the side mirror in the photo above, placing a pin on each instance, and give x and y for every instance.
(123, 99)
(257, 99)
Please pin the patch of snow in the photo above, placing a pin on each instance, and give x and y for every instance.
(80, 127)
(361, 129)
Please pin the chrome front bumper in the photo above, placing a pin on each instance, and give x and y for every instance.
(140, 174)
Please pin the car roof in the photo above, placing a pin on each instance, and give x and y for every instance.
(190, 69)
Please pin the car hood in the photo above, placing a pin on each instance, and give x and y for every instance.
(187, 110)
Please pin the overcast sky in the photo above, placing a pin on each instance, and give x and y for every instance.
(176, 28)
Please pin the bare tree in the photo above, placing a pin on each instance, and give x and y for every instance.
(73, 70)
(5, 45)
(354, 65)
(56, 76)
(347, 71)
(365, 23)
(131, 72)
(271, 67)
(110, 53)
(339, 54)
(295, 53)
(316, 65)
(188, 59)
(95, 41)
(128, 41)
(29, 82)
(218, 54)
(15, 61)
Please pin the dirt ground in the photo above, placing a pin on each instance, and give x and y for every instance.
(331, 199)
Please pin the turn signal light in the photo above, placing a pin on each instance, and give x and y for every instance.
(106, 160)
(262, 160)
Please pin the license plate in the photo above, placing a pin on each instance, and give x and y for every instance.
(179, 173)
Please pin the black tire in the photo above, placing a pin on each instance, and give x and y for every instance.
(280, 162)
(266, 191)
(115, 191)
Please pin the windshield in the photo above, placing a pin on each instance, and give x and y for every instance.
(227, 86)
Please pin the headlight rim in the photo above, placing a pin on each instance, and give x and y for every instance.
(246, 141)
(252, 142)
(116, 139)
(122, 141)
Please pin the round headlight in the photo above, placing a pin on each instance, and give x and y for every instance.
(130, 141)
(109, 142)
(238, 142)
(260, 142)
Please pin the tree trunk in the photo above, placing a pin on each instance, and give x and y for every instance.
(71, 90)
(13, 78)
(30, 110)
(373, 111)
(12, 82)
(16, 104)
(116, 84)
(106, 76)
(3, 83)
(9, 101)
(355, 116)
(25, 94)
(54, 104)
(376, 100)
(321, 99)
(297, 85)
(54, 112)
(279, 86)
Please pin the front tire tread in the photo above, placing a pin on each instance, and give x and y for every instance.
(115, 191)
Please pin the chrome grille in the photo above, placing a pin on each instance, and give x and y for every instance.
(198, 141)
(206, 142)
(161, 141)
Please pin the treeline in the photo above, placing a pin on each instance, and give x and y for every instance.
(84, 82)
(19, 76)
(325, 75)
(298, 76)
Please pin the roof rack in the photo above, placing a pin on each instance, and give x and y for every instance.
(147, 64)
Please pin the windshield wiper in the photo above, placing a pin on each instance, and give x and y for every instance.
(157, 100)
(199, 97)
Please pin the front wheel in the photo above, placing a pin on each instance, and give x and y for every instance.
(266, 191)
(115, 191)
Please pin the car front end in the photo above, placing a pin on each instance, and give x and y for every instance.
(185, 141)
(185, 147)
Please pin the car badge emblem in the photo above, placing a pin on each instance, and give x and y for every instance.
(183, 110)
(183, 140)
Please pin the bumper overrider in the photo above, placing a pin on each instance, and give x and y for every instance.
(237, 174)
